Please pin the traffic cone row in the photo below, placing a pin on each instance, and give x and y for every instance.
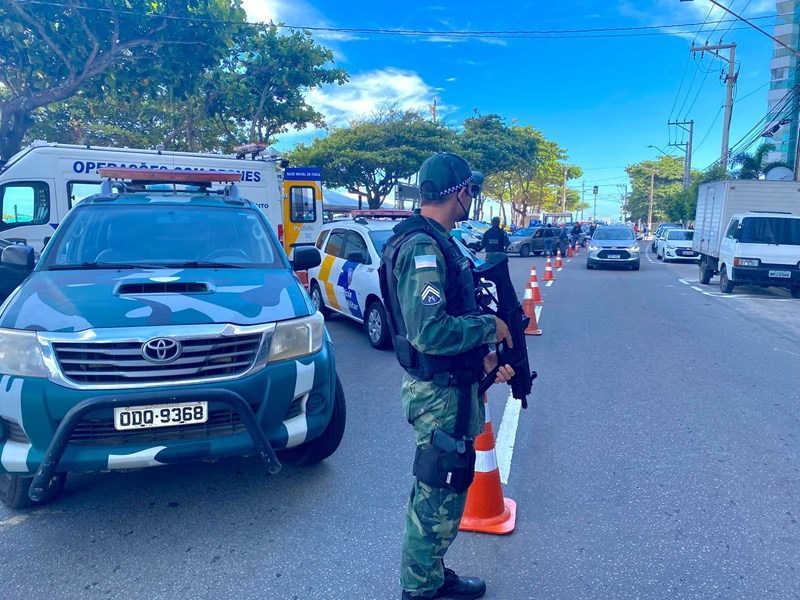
(569, 252)
(486, 510)
(534, 285)
(529, 308)
(548, 271)
(559, 264)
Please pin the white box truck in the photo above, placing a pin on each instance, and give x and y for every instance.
(748, 232)
(39, 184)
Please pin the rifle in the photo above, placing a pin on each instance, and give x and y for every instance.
(508, 309)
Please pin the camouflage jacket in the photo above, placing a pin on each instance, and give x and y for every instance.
(421, 273)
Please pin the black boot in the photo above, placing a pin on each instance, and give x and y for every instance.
(460, 587)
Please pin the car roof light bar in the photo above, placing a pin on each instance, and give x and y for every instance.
(382, 214)
(145, 176)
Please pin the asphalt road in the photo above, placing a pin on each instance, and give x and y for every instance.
(660, 458)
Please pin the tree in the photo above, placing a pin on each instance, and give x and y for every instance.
(373, 154)
(752, 166)
(49, 52)
(668, 181)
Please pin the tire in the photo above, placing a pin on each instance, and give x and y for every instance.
(664, 258)
(376, 326)
(14, 490)
(795, 292)
(725, 285)
(321, 447)
(317, 301)
(705, 274)
(525, 251)
(653, 248)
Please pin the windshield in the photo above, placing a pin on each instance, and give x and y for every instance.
(379, 238)
(606, 233)
(162, 235)
(524, 232)
(771, 230)
(680, 235)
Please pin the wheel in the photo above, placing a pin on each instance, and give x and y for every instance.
(377, 328)
(725, 285)
(705, 274)
(654, 248)
(525, 251)
(14, 490)
(322, 447)
(795, 291)
(636, 267)
(317, 301)
(223, 254)
(664, 258)
(658, 256)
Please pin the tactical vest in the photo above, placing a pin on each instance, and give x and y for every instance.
(493, 240)
(462, 369)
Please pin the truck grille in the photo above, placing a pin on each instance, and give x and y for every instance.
(122, 362)
(101, 432)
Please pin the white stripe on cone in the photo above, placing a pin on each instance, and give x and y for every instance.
(485, 461)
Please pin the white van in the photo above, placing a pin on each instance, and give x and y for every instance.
(42, 182)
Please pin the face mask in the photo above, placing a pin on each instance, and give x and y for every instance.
(466, 210)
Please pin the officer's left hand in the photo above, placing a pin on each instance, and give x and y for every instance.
(504, 373)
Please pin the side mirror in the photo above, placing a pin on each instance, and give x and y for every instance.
(357, 257)
(306, 257)
(21, 257)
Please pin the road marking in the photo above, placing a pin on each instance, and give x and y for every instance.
(787, 351)
(560, 269)
(507, 436)
(684, 282)
(549, 283)
(13, 521)
(694, 287)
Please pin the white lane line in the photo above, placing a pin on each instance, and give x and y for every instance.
(684, 282)
(787, 351)
(538, 310)
(549, 283)
(694, 287)
(560, 269)
(507, 436)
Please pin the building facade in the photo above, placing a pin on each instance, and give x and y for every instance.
(784, 78)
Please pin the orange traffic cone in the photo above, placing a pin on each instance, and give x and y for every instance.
(577, 248)
(534, 285)
(548, 271)
(569, 252)
(559, 264)
(529, 308)
(486, 510)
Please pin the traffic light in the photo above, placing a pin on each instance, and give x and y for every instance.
(594, 190)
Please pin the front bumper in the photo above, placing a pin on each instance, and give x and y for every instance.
(58, 429)
(681, 253)
(761, 276)
(605, 257)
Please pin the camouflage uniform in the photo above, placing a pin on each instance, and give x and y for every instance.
(433, 514)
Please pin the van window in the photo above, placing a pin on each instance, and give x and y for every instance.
(302, 204)
(771, 230)
(24, 203)
(732, 229)
(78, 190)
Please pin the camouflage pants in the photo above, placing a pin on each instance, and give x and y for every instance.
(433, 514)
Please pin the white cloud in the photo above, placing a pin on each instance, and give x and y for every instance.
(450, 79)
(299, 13)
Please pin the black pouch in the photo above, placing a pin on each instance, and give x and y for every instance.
(448, 463)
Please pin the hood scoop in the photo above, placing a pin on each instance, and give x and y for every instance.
(172, 287)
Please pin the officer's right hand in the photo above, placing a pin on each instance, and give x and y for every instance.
(503, 332)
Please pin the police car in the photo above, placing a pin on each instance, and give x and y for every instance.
(160, 327)
(347, 280)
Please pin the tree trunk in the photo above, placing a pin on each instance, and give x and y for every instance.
(374, 200)
(13, 126)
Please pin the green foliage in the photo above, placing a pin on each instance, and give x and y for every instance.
(667, 183)
(373, 154)
(753, 166)
(49, 52)
(682, 205)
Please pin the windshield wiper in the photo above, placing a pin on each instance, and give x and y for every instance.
(203, 264)
(104, 265)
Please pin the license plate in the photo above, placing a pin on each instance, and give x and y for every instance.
(613, 256)
(160, 415)
(783, 274)
(687, 253)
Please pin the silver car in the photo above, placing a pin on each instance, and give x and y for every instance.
(613, 245)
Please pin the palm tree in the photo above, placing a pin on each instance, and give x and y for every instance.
(752, 166)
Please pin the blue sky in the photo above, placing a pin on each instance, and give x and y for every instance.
(604, 99)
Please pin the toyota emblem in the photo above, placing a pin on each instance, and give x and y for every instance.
(161, 350)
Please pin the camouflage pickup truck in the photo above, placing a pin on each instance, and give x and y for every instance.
(162, 324)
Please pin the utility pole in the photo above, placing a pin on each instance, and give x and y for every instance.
(650, 210)
(583, 197)
(730, 79)
(433, 109)
(594, 213)
(564, 191)
(687, 164)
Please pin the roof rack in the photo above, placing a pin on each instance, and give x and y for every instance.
(382, 214)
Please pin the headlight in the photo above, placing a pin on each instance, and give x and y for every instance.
(669, 246)
(594, 247)
(632, 249)
(297, 338)
(746, 262)
(20, 354)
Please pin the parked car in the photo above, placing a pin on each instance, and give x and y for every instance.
(346, 282)
(468, 235)
(613, 245)
(677, 245)
(659, 235)
(526, 241)
(197, 345)
(10, 275)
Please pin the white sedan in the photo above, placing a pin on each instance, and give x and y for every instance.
(677, 245)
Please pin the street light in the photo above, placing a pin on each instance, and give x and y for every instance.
(659, 149)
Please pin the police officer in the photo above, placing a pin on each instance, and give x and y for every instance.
(495, 240)
(441, 340)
